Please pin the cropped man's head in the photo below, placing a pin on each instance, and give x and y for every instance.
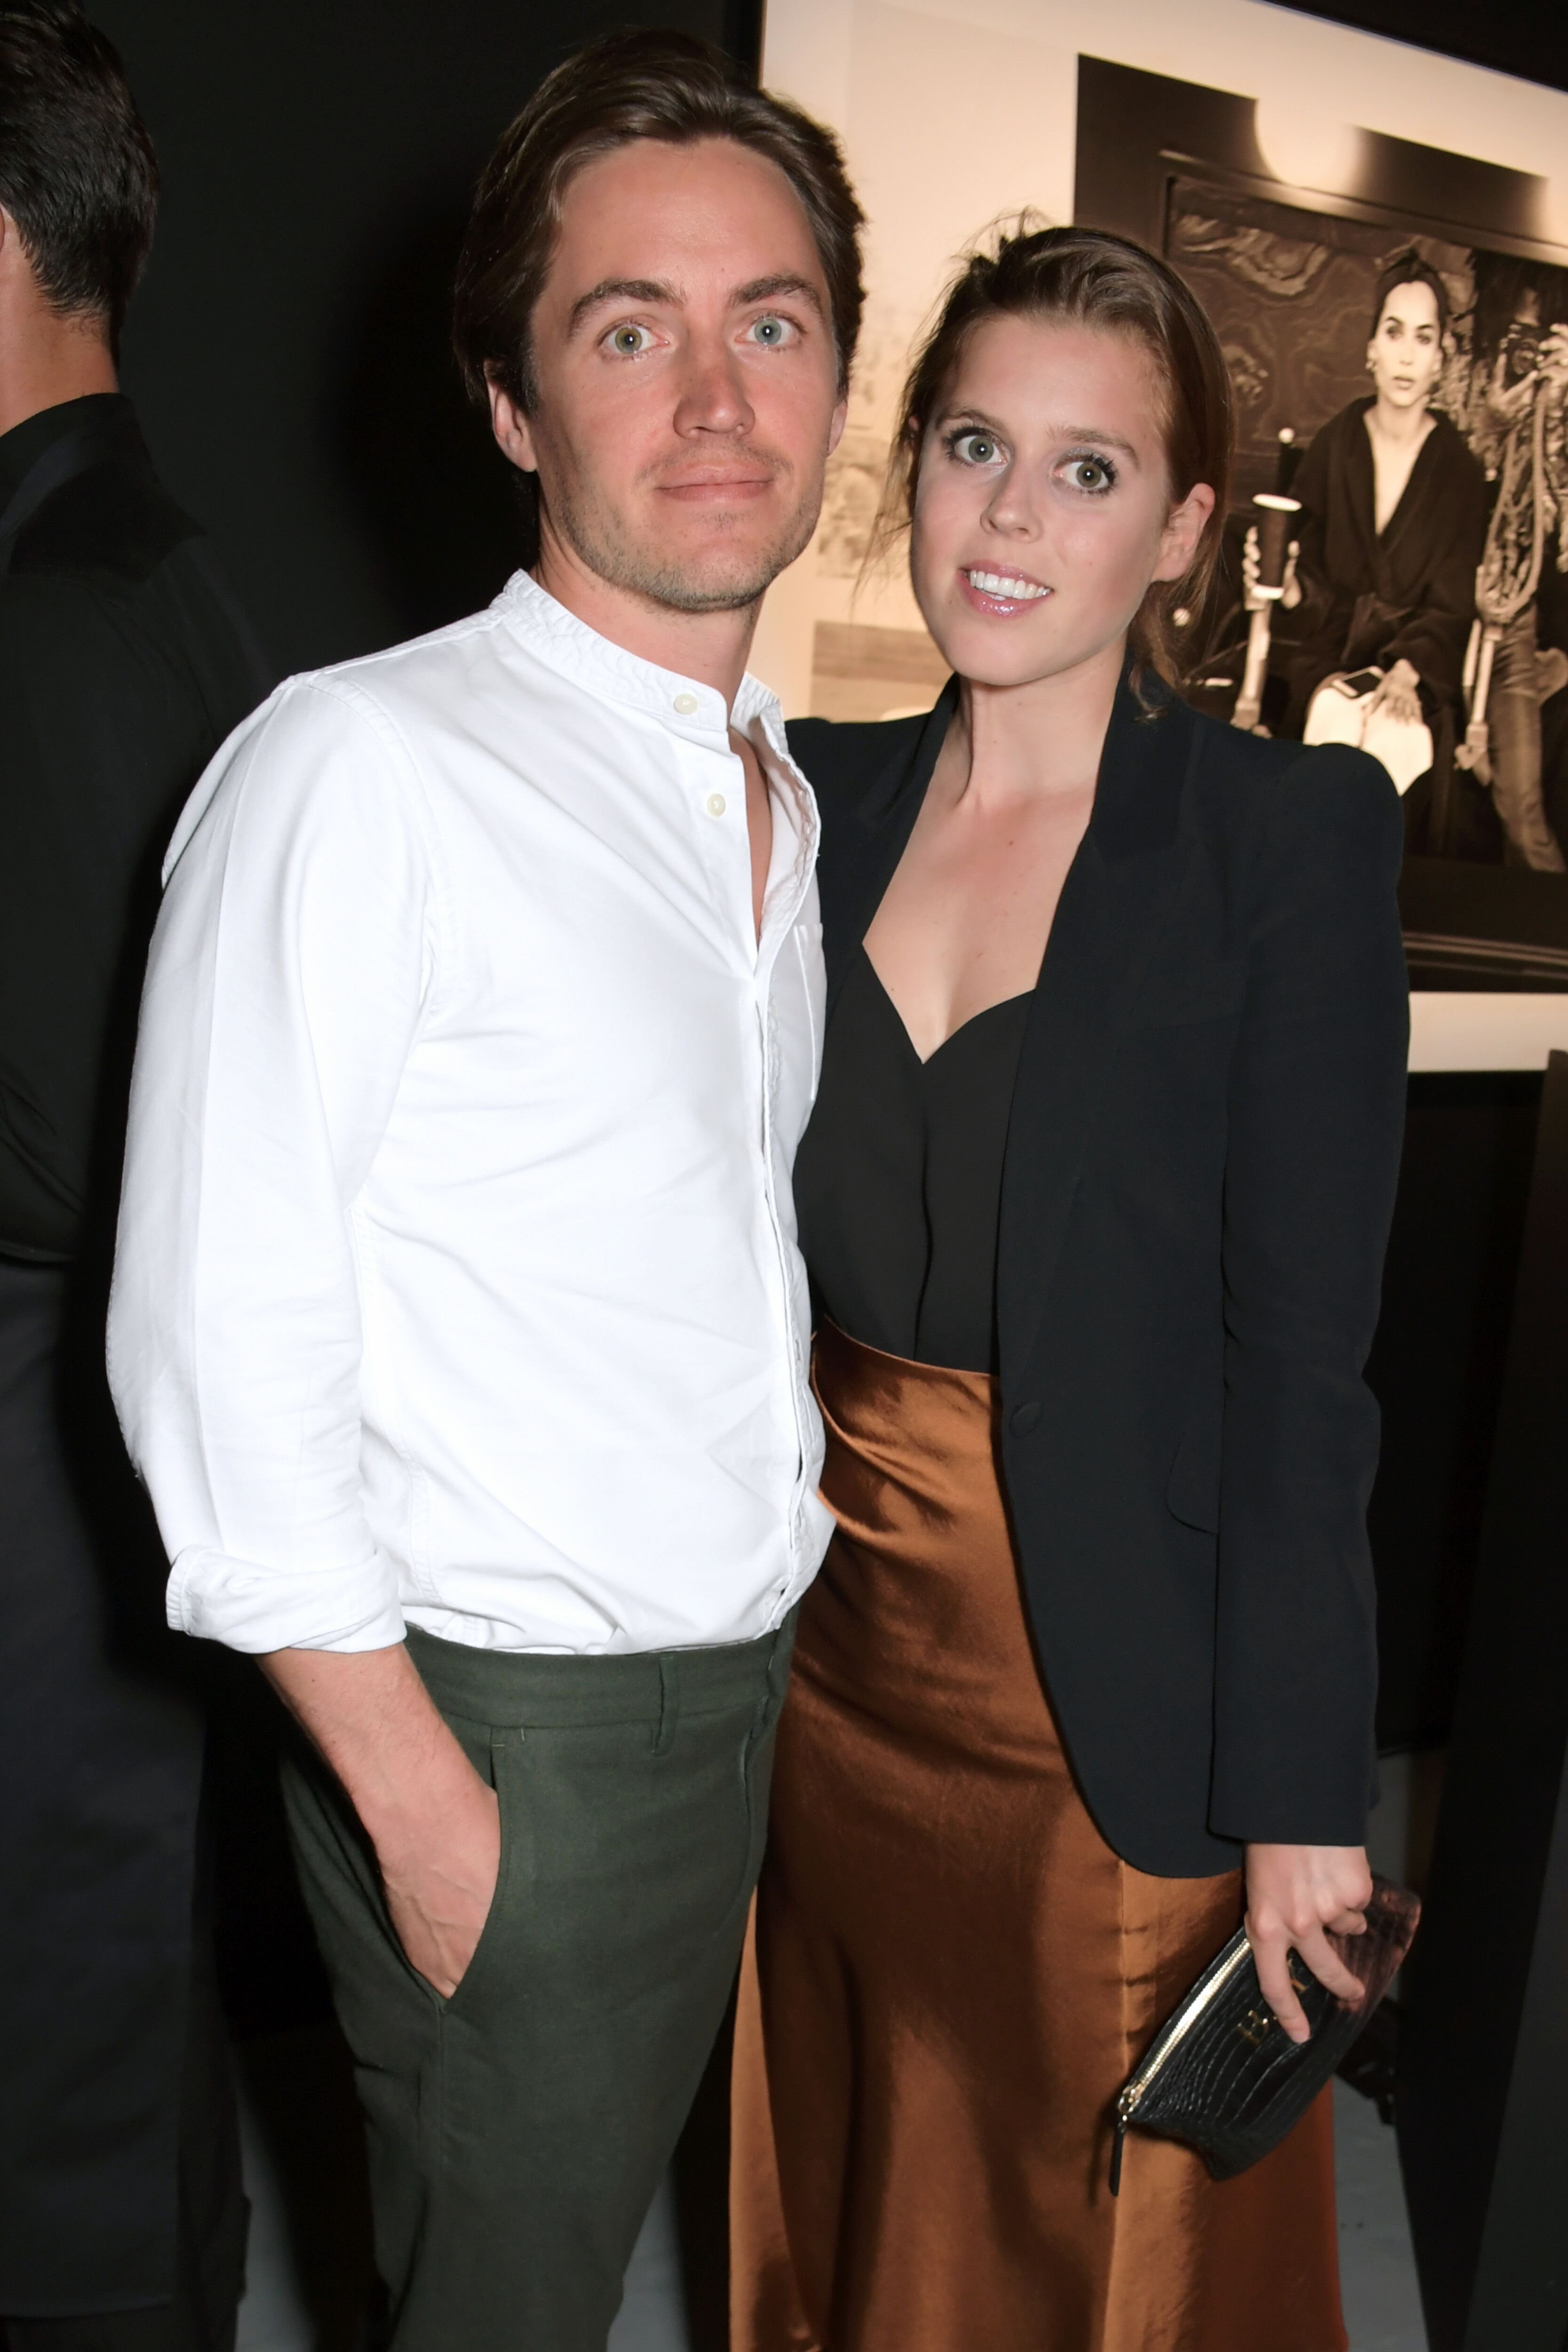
(79, 179)
(659, 296)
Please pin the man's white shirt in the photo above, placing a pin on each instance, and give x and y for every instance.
(457, 1282)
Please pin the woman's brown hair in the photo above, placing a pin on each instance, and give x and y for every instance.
(1092, 278)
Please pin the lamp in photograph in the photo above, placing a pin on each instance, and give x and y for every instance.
(1265, 565)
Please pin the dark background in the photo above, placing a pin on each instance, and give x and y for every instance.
(1529, 37)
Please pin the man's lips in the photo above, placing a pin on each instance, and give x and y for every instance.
(715, 485)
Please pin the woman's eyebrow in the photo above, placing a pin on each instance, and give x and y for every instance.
(1106, 440)
(978, 417)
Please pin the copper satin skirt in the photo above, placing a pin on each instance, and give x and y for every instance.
(951, 1973)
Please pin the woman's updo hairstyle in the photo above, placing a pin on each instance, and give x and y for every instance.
(1409, 269)
(1090, 279)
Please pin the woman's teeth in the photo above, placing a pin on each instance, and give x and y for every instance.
(1002, 583)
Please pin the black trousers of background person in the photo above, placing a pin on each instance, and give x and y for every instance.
(517, 2131)
(121, 2214)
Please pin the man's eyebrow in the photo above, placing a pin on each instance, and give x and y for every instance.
(618, 290)
(767, 289)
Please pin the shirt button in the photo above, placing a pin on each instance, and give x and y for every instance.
(686, 704)
(1026, 1417)
(715, 804)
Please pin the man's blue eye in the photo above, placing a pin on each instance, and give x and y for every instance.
(770, 330)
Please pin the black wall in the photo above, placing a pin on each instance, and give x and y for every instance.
(1527, 37)
(288, 351)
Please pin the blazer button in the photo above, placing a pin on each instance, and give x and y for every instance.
(1025, 1417)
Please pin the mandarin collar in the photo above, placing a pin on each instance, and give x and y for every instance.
(684, 705)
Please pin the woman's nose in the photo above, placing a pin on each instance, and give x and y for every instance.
(1014, 510)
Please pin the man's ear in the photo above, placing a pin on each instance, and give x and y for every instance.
(512, 430)
(835, 430)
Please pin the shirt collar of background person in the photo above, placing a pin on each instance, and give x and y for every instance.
(83, 431)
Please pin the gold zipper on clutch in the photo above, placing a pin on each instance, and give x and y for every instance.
(1160, 2052)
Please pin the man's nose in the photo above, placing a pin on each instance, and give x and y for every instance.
(713, 397)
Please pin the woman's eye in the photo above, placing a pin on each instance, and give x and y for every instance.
(1089, 474)
(772, 332)
(628, 342)
(974, 448)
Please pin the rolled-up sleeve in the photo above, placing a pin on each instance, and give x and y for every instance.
(293, 959)
(1316, 1118)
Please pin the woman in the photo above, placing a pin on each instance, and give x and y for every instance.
(1393, 519)
(1096, 1229)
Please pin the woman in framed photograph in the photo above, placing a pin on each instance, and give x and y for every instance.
(1095, 1199)
(1393, 519)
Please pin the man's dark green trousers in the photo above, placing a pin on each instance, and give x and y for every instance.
(518, 2131)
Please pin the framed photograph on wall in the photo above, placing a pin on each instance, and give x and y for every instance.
(1468, 568)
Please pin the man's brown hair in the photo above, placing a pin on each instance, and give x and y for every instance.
(662, 85)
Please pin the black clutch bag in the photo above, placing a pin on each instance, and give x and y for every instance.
(1222, 2073)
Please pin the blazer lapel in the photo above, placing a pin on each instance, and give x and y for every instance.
(1114, 900)
(865, 857)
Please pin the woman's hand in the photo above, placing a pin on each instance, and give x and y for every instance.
(1396, 694)
(1295, 1893)
(1252, 600)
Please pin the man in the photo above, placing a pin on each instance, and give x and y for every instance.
(459, 1328)
(124, 663)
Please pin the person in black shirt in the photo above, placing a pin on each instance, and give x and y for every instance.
(124, 663)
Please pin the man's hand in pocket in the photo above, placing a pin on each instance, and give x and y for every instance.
(435, 1824)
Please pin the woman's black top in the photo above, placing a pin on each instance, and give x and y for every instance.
(898, 1177)
(1201, 1148)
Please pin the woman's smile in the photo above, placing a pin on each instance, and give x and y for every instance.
(1001, 593)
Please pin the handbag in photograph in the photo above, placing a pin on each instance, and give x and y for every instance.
(1222, 2073)
(1339, 714)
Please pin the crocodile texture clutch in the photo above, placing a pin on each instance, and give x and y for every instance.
(1223, 2075)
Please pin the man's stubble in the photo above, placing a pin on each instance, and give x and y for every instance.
(722, 579)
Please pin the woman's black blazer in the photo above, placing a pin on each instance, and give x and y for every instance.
(1200, 1173)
